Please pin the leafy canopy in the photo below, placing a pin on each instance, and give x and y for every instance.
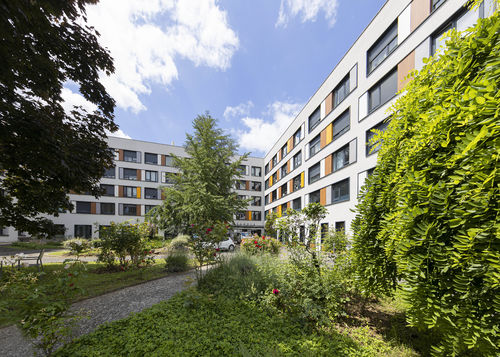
(428, 221)
(44, 151)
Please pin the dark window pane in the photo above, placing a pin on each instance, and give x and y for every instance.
(314, 146)
(148, 208)
(129, 174)
(256, 216)
(341, 91)
(256, 171)
(341, 158)
(169, 160)
(314, 119)
(339, 226)
(82, 207)
(107, 208)
(150, 193)
(129, 191)
(383, 47)
(383, 91)
(150, 158)
(109, 173)
(296, 183)
(108, 190)
(296, 137)
(130, 156)
(284, 189)
(372, 147)
(255, 186)
(297, 160)
(297, 204)
(314, 173)
(340, 191)
(83, 231)
(341, 124)
(151, 176)
(314, 197)
(129, 210)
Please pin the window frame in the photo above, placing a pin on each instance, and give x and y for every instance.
(313, 194)
(297, 155)
(343, 85)
(313, 178)
(129, 159)
(112, 204)
(369, 134)
(78, 206)
(148, 173)
(316, 146)
(129, 205)
(108, 186)
(378, 50)
(150, 189)
(341, 198)
(392, 74)
(146, 154)
(316, 114)
(133, 190)
(341, 152)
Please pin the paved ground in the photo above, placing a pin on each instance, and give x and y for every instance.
(105, 308)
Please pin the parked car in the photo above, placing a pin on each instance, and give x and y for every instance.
(227, 244)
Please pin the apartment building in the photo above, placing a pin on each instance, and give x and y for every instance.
(325, 154)
(133, 187)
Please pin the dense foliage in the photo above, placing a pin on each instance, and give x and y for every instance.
(429, 218)
(258, 244)
(44, 151)
(77, 246)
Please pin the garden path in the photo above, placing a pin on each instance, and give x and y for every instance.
(105, 308)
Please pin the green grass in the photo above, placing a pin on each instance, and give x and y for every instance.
(35, 245)
(97, 281)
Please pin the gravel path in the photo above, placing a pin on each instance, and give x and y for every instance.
(108, 307)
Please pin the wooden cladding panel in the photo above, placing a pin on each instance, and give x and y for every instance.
(323, 138)
(93, 208)
(288, 165)
(328, 165)
(138, 210)
(278, 175)
(139, 175)
(288, 205)
(163, 160)
(290, 144)
(280, 156)
(322, 196)
(279, 193)
(270, 165)
(329, 133)
(270, 197)
(419, 11)
(247, 185)
(120, 191)
(290, 186)
(329, 104)
(162, 195)
(120, 154)
(249, 215)
(404, 67)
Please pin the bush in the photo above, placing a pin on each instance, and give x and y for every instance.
(177, 261)
(179, 242)
(77, 245)
(262, 244)
(335, 241)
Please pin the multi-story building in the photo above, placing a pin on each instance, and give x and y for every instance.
(324, 155)
(133, 187)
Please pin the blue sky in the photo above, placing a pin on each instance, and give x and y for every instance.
(252, 64)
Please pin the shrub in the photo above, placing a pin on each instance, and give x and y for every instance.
(77, 245)
(262, 244)
(335, 241)
(181, 242)
(177, 261)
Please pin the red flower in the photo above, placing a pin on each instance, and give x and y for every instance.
(192, 225)
(71, 284)
(122, 268)
(217, 249)
(254, 242)
(209, 230)
(70, 274)
(215, 254)
(264, 238)
(276, 291)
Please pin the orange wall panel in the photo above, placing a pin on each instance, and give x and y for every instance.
(328, 104)
(404, 67)
(323, 139)
(420, 9)
(93, 209)
(322, 196)
(328, 165)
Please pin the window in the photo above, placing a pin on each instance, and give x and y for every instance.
(266, 200)
(129, 191)
(437, 3)
(169, 160)
(256, 171)
(243, 169)
(340, 226)
(129, 174)
(314, 119)
(341, 125)
(4, 231)
(297, 160)
(296, 183)
(266, 169)
(168, 178)
(283, 171)
(340, 191)
(148, 208)
(275, 177)
(256, 215)
(274, 195)
(240, 216)
(341, 91)
(314, 145)
(151, 176)
(150, 158)
(241, 185)
(341, 158)
(324, 231)
(284, 189)
(437, 38)
(266, 184)
(108, 190)
(284, 151)
(314, 197)
(107, 208)
(383, 91)
(297, 204)
(256, 201)
(109, 173)
(150, 193)
(314, 173)
(370, 172)
(275, 160)
(283, 209)
(59, 231)
(82, 207)
(255, 186)
(129, 210)
(373, 147)
(130, 156)
(383, 47)
(83, 231)
(296, 137)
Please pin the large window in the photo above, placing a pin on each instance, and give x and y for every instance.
(275, 160)
(383, 47)
(284, 189)
(275, 177)
(241, 185)
(342, 124)
(255, 186)
(4, 231)
(297, 160)
(256, 171)
(296, 183)
(274, 195)
(256, 201)
(373, 147)
(314, 119)
(150, 158)
(341, 91)
(129, 174)
(266, 200)
(151, 176)
(340, 191)
(297, 204)
(314, 145)
(169, 160)
(108, 190)
(83, 231)
(266, 184)
(314, 197)
(129, 210)
(256, 215)
(284, 151)
(266, 169)
(150, 193)
(82, 207)
(383, 91)
(296, 137)
(148, 208)
(242, 169)
(130, 156)
(129, 191)
(109, 173)
(107, 208)
(240, 216)
(314, 173)
(437, 38)
(283, 171)
(341, 158)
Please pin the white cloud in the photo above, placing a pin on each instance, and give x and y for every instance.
(145, 37)
(119, 134)
(262, 134)
(308, 10)
(239, 110)
(72, 99)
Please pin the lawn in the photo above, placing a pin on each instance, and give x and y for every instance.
(96, 280)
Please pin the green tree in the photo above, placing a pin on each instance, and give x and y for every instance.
(44, 151)
(428, 221)
(201, 201)
(269, 224)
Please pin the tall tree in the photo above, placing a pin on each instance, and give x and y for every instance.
(44, 151)
(428, 222)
